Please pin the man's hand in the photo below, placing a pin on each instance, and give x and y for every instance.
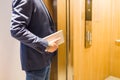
(52, 46)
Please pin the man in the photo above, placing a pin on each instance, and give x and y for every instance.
(31, 22)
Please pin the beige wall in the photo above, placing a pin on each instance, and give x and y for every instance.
(10, 68)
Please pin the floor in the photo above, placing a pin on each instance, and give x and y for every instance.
(112, 78)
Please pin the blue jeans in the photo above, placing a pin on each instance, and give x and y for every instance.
(43, 74)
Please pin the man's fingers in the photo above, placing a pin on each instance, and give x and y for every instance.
(56, 40)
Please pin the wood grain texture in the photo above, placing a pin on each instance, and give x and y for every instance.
(61, 20)
(91, 63)
(115, 34)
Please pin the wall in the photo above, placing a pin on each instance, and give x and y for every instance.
(10, 68)
(91, 63)
(115, 34)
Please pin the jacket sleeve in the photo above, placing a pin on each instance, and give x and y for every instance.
(21, 15)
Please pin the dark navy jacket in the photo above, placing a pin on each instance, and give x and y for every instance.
(29, 24)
